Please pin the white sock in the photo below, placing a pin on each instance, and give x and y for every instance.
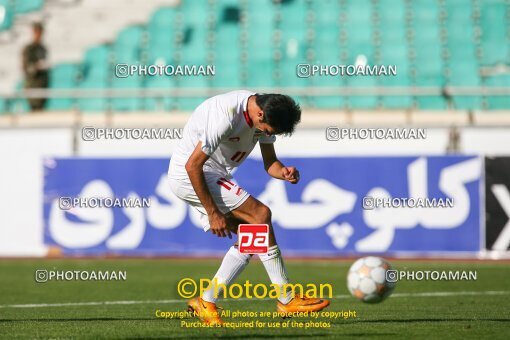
(275, 268)
(232, 265)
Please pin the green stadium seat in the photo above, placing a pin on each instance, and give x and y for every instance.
(26, 6)
(493, 21)
(127, 50)
(326, 12)
(425, 14)
(498, 102)
(293, 29)
(63, 76)
(362, 102)
(7, 9)
(326, 43)
(294, 12)
(328, 102)
(127, 103)
(260, 24)
(193, 50)
(97, 74)
(162, 31)
(393, 50)
(388, 9)
(164, 103)
(259, 44)
(3, 106)
(395, 55)
(359, 30)
(18, 106)
(327, 50)
(465, 73)
(163, 18)
(127, 46)
(227, 59)
(260, 74)
(10, 8)
(392, 21)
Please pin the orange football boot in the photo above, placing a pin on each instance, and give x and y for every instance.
(302, 304)
(207, 312)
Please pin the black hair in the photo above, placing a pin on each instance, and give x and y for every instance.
(281, 112)
(37, 26)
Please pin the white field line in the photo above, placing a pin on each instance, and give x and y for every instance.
(175, 301)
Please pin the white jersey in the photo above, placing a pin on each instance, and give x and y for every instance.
(226, 131)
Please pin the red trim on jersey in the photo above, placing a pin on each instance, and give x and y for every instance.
(235, 156)
(226, 180)
(240, 157)
(248, 119)
(223, 185)
(239, 191)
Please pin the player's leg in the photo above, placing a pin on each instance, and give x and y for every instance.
(254, 211)
(232, 265)
(227, 195)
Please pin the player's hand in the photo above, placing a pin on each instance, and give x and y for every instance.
(219, 225)
(290, 174)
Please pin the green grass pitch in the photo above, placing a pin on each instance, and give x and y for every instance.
(126, 309)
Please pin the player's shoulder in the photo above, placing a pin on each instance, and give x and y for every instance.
(227, 105)
(234, 97)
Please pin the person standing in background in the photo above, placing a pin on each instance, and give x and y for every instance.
(35, 66)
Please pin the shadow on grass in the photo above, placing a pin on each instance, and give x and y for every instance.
(247, 335)
(77, 319)
(417, 320)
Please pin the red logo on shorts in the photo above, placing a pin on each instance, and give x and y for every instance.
(253, 238)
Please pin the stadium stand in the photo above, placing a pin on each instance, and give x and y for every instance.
(9, 9)
(258, 44)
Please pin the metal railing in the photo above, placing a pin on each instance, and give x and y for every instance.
(293, 91)
(448, 93)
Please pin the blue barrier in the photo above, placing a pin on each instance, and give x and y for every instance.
(321, 216)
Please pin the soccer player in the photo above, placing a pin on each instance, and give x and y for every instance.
(218, 137)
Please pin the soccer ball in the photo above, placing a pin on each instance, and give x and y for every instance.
(367, 281)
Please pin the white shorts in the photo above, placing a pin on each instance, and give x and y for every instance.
(224, 190)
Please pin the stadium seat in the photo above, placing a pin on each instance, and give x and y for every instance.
(162, 31)
(259, 21)
(427, 62)
(327, 50)
(360, 30)
(127, 50)
(10, 8)
(62, 76)
(3, 106)
(293, 28)
(258, 44)
(127, 47)
(6, 14)
(493, 21)
(393, 49)
(25, 6)
(193, 50)
(227, 31)
(461, 62)
(18, 106)
(498, 102)
(97, 73)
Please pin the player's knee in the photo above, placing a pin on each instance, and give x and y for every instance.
(263, 214)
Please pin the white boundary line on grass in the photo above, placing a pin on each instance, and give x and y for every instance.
(174, 301)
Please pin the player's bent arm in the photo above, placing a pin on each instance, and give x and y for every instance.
(194, 167)
(275, 168)
(271, 163)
